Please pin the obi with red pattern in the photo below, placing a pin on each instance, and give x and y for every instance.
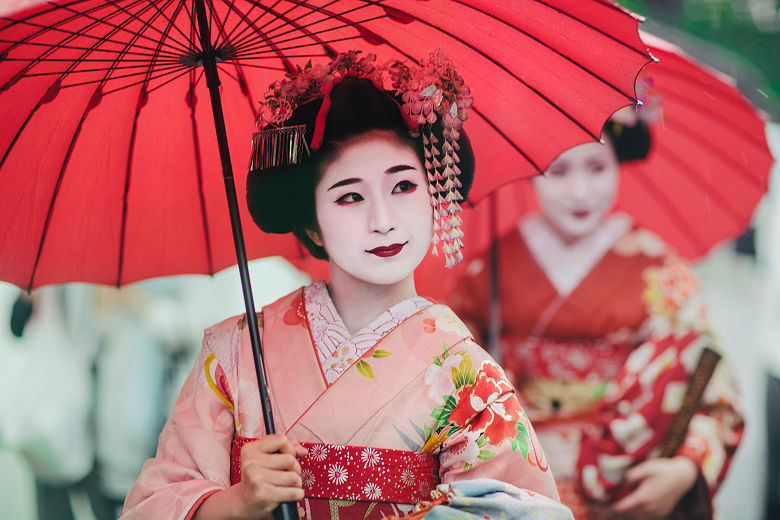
(334, 471)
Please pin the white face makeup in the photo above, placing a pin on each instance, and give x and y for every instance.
(374, 211)
(579, 189)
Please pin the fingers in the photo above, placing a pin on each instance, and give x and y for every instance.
(273, 443)
(273, 452)
(300, 451)
(641, 471)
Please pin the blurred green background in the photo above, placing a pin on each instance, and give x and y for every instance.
(738, 37)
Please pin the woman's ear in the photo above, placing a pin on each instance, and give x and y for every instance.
(315, 237)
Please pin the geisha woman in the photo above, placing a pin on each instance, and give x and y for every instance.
(381, 395)
(602, 326)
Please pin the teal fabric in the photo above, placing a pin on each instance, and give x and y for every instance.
(481, 499)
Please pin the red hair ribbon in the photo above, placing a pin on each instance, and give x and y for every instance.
(322, 116)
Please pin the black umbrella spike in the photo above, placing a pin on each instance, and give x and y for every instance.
(286, 510)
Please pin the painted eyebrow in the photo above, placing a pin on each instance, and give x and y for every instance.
(345, 182)
(353, 180)
(399, 168)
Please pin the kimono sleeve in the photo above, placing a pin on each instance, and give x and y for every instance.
(192, 459)
(481, 429)
(639, 406)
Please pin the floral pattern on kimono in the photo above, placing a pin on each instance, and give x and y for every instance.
(602, 360)
(422, 386)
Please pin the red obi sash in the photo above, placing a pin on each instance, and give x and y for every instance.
(334, 471)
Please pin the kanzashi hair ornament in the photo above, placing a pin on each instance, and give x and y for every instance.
(433, 96)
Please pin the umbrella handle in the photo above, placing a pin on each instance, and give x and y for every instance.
(286, 510)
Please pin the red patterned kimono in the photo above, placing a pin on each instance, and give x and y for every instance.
(600, 338)
(387, 413)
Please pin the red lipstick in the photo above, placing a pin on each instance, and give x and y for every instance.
(385, 251)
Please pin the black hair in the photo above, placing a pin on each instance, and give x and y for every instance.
(281, 199)
(631, 143)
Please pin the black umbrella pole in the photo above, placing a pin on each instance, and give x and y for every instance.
(286, 510)
(494, 324)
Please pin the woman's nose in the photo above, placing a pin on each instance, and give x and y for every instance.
(381, 218)
(579, 187)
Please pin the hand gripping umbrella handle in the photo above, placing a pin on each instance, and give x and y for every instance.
(286, 510)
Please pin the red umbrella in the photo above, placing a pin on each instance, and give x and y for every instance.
(106, 102)
(107, 160)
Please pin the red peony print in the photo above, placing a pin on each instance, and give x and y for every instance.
(489, 406)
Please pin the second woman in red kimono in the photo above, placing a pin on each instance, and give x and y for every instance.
(601, 327)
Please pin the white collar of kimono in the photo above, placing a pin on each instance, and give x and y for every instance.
(566, 265)
(336, 350)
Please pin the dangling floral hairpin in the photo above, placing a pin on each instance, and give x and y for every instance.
(431, 92)
(435, 92)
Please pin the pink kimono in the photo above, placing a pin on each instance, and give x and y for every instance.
(600, 339)
(412, 380)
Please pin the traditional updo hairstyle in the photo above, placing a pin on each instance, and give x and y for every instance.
(281, 199)
(631, 143)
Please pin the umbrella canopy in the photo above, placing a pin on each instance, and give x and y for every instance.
(109, 170)
(707, 169)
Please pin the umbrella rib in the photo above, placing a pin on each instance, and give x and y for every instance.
(502, 67)
(669, 207)
(141, 103)
(178, 73)
(217, 21)
(630, 97)
(287, 64)
(619, 9)
(91, 60)
(301, 46)
(262, 67)
(312, 34)
(184, 47)
(151, 70)
(73, 34)
(126, 192)
(160, 11)
(244, 35)
(73, 47)
(172, 65)
(315, 35)
(48, 28)
(44, 28)
(167, 71)
(232, 36)
(58, 184)
(199, 174)
(19, 133)
(538, 169)
(30, 115)
(55, 194)
(507, 139)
